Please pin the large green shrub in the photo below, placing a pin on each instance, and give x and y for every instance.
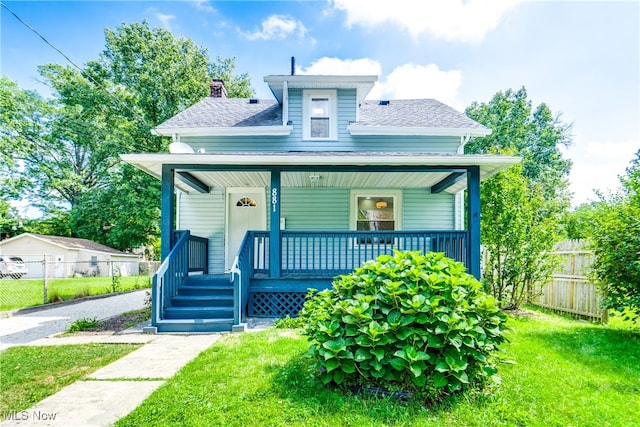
(409, 321)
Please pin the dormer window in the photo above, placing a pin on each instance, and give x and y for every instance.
(319, 115)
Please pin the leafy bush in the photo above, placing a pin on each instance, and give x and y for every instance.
(615, 238)
(288, 322)
(410, 321)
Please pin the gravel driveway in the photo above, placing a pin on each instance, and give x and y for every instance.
(42, 322)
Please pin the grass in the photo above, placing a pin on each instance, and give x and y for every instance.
(21, 293)
(566, 373)
(30, 374)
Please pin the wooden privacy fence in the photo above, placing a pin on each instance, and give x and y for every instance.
(570, 290)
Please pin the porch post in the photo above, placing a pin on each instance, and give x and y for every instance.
(473, 219)
(167, 211)
(275, 252)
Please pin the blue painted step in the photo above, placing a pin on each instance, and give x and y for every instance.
(203, 300)
(195, 325)
(203, 312)
(203, 304)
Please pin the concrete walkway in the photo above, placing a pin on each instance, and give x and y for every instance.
(27, 326)
(115, 390)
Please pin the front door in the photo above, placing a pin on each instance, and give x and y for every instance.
(246, 210)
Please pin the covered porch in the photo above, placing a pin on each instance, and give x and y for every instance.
(273, 268)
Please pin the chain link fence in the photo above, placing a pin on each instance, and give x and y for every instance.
(49, 279)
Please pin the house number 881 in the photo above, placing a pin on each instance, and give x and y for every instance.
(274, 198)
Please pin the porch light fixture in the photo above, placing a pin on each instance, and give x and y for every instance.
(314, 180)
(381, 204)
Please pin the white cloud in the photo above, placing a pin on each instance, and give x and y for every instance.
(346, 67)
(343, 67)
(408, 81)
(459, 20)
(204, 5)
(597, 166)
(165, 20)
(277, 27)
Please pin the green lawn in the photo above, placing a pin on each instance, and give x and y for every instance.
(567, 373)
(21, 293)
(30, 374)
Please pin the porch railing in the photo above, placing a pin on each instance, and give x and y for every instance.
(198, 254)
(328, 253)
(188, 253)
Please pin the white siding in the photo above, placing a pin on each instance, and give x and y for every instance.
(203, 215)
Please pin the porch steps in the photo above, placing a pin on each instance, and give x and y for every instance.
(203, 304)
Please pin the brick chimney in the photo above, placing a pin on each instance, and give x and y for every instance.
(217, 89)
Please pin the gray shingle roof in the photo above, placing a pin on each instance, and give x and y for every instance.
(227, 112)
(238, 112)
(427, 113)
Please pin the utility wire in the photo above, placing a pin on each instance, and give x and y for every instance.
(82, 71)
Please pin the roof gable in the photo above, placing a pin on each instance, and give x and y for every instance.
(241, 116)
(70, 243)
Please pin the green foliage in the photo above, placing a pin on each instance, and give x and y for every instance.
(577, 224)
(518, 239)
(63, 153)
(409, 321)
(83, 324)
(521, 207)
(288, 322)
(615, 237)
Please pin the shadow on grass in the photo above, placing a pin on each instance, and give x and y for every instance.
(296, 382)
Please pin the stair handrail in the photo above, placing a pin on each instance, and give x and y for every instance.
(165, 273)
(241, 268)
(237, 311)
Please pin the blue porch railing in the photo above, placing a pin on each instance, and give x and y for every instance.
(328, 253)
(325, 254)
(188, 253)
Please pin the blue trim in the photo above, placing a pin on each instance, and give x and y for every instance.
(167, 221)
(447, 182)
(333, 168)
(193, 182)
(473, 218)
(274, 233)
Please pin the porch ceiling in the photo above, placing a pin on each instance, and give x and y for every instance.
(302, 165)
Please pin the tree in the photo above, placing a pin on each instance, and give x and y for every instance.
(63, 153)
(518, 238)
(577, 223)
(521, 207)
(157, 76)
(615, 237)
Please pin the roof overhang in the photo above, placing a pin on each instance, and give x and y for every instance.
(226, 131)
(356, 130)
(363, 84)
(446, 172)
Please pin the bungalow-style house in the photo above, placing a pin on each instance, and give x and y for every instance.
(263, 199)
(57, 256)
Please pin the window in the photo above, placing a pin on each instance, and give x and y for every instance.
(246, 202)
(319, 111)
(94, 261)
(376, 210)
(375, 214)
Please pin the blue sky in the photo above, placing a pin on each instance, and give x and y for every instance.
(580, 58)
